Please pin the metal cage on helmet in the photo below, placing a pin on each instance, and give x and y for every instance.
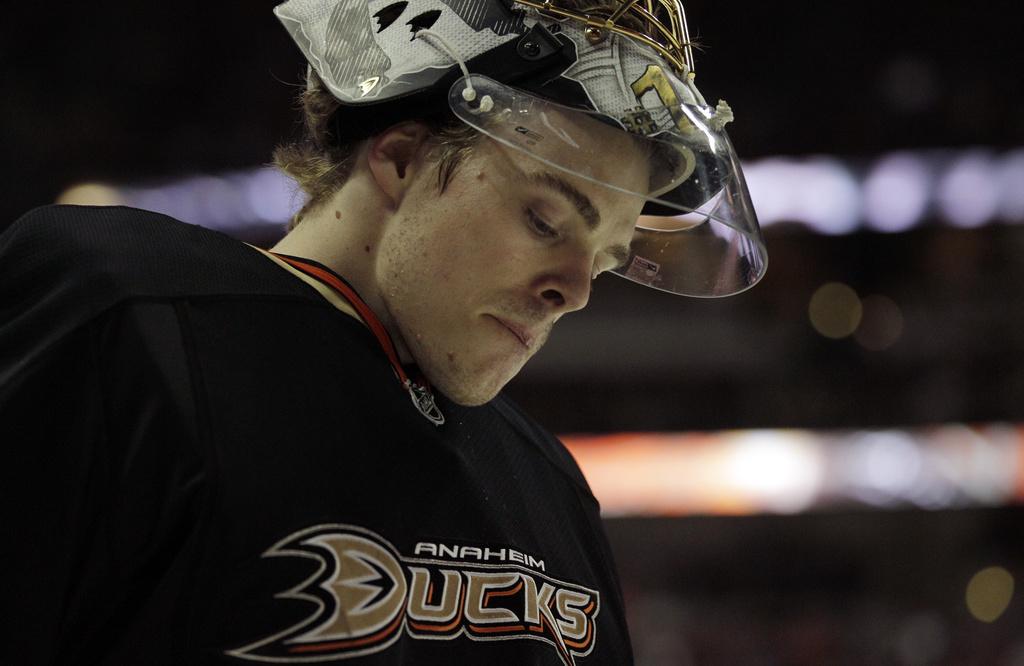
(625, 63)
(664, 23)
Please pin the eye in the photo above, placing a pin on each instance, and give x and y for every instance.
(539, 226)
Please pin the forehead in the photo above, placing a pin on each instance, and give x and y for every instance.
(606, 165)
(585, 146)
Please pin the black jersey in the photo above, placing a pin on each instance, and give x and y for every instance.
(208, 463)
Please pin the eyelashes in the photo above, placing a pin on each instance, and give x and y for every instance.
(539, 226)
(546, 231)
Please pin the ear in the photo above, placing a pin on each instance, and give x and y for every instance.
(394, 157)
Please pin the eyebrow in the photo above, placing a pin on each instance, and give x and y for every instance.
(584, 206)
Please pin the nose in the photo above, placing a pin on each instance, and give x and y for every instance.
(567, 287)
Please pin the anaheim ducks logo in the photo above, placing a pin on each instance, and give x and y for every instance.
(367, 597)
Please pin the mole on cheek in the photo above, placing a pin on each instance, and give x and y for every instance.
(367, 248)
(451, 357)
(337, 214)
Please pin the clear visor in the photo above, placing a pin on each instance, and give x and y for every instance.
(697, 234)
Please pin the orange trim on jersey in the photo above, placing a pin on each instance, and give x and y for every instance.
(556, 635)
(493, 630)
(434, 628)
(584, 642)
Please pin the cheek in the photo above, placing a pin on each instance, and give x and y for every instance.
(477, 250)
(429, 262)
(464, 240)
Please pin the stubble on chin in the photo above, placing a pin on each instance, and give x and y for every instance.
(461, 384)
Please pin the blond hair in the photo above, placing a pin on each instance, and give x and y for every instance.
(321, 164)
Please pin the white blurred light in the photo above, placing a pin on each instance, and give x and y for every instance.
(819, 192)
(271, 195)
(770, 184)
(742, 472)
(239, 181)
(831, 198)
(968, 193)
(184, 202)
(991, 480)
(780, 470)
(1011, 186)
(896, 193)
(934, 495)
(893, 461)
(221, 202)
(155, 199)
(216, 199)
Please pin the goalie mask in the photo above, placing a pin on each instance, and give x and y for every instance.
(542, 79)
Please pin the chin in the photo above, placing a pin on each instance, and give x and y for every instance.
(470, 396)
(471, 392)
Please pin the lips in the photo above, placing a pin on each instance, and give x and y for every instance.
(521, 332)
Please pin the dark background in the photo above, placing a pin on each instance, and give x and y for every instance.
(133, 92)
(123, 90)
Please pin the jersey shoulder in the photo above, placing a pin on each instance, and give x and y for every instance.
(61, 267)
(550, 446)
(116, 252)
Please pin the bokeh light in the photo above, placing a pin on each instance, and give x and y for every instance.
(989, 593)
(968, 193)
(881, 323)
(781, 469)
(91, 194)
(835, 310)
(740, 472)
(826, 194)
(896, 192)
(1011, 186)
(922, 638)
(820, 192)
(271, 195)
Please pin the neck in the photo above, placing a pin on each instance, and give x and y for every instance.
(343, 234)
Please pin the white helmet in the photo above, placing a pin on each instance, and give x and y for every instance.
(528, 74)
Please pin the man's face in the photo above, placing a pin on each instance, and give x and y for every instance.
(473, 279)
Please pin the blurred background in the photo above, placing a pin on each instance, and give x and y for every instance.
(826, 469)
